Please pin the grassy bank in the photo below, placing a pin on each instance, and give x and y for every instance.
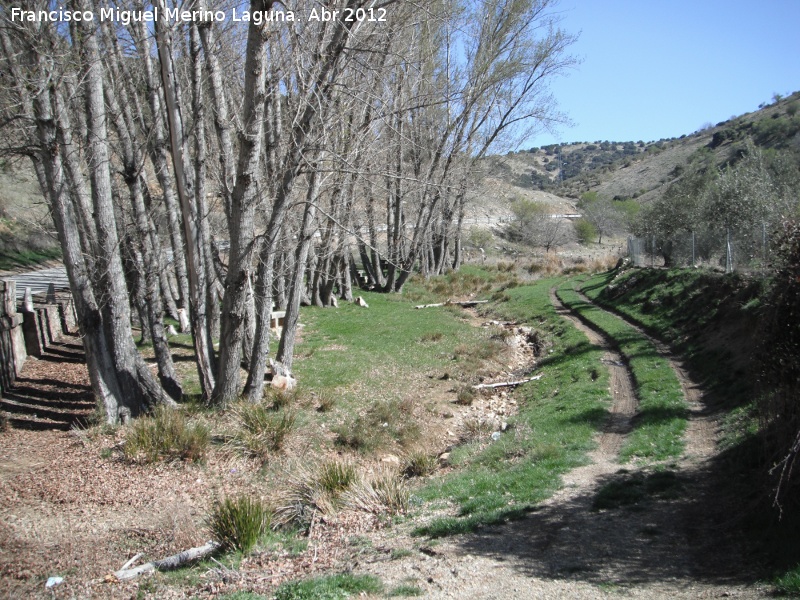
(713, 321)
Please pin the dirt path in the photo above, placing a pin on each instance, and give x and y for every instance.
(662, 547)
(623, 394)
(52, 392)
(701, 429)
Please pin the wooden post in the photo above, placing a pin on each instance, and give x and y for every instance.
(34, 344)
(12, 342)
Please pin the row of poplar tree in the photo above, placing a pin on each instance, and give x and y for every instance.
(226, 168)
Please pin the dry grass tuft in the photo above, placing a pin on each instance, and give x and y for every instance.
(259, 430)
(166, 435)
(308, 492)
(382, 493)
(476, 428)
(419, 464)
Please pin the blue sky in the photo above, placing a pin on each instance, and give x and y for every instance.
(657, 69)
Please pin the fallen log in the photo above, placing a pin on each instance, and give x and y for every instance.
(464, 303)
(165, 564)
(488, 386)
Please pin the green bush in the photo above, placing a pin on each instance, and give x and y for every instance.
(789, 583)
(166, 434)
(585, 231)
(237, 523)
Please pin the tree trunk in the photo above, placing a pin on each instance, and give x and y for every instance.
(285, 352)
(137, 381)
(254, 386)
(242, 222)
(194, 252)
(147, 239)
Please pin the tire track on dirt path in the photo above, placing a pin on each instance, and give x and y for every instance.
(718, 548)
(701, 429)
(622, 387)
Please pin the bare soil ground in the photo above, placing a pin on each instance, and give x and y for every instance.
(70, 506)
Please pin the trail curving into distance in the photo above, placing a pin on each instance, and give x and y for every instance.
(623, 388)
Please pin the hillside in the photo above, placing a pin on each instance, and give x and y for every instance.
(621, 170)
(26, 230)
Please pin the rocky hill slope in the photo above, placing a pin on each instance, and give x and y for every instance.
(644, 170)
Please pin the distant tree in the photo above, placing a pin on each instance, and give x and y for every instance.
(742, 200)
(534, 224)
(585, 231)
(602, 214)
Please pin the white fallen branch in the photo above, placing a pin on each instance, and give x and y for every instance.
(487, 386)
(465, 303)
(131, 561)
(165, 564)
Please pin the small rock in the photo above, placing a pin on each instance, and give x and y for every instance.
(53, 582)
(444, 458)
(361, 302)
(496, 436)
(503, 426)
(391, 459)
(283, 382)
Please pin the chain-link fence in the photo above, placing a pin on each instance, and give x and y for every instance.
(739, 250)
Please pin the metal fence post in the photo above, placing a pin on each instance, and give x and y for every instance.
(653, 253)
(728, 252)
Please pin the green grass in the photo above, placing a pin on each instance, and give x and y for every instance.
(405, 590)
(343, 348)
(789, 582)
(662, 414)
(332, 587)
(687, 308)
(558, 416)
(14, 259)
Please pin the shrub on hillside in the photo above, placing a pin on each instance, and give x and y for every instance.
(585, 231)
